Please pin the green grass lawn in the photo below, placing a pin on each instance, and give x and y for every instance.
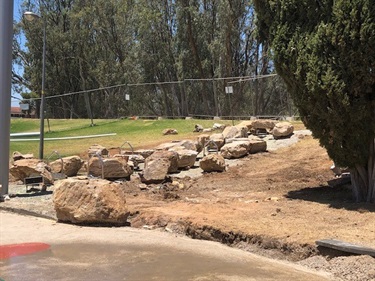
(140, 133)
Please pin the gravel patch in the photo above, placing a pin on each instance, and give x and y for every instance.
(350, 268)
(274, 144)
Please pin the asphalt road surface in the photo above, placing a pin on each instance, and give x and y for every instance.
(124, 253)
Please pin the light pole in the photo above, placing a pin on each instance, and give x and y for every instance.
(6, 35)
(30, 16)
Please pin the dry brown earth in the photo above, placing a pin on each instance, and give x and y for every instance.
(276, 204)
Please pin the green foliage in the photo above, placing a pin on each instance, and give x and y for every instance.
(325, 52)
(99, 43)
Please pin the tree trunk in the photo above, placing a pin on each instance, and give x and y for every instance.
(86, 95)
(197, 58)
(363, 179)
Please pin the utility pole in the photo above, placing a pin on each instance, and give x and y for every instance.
(30, 16)
(6, 38)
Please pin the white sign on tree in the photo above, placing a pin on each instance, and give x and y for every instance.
(229, 90)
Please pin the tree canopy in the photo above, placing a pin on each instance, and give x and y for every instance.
(325, 52)
(99, 43)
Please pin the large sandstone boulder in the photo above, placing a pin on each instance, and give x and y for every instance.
(246, 123)
(155, 171)
(243, 131)
(166, 146)
(282, 129)
(212, 163)
(232, 132)
(109, 168)
(67, 165)
(263, 124)
(144, 152)
(158, 165)
(201, 142)
(186, 157)
(112, 151)
(236, 149)
(238, 139)
(218, 139)
(83, 201)
(25, 168)
(171, 156)
(235, 132)
(256, 146)
(187, 144)
(97, 149)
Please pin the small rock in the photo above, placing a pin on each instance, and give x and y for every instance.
(18, 156)
(218, 126)
(170, 131)
(143, 186)
(198, 128)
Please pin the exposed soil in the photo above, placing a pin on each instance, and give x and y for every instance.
(275, 204)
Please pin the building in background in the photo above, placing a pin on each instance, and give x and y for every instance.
(19, 112)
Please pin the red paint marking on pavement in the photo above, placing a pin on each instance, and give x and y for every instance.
(13, 250)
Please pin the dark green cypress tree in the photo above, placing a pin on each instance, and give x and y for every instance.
(325, 52)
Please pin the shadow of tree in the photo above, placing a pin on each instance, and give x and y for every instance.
(34, 193)
(336, 197)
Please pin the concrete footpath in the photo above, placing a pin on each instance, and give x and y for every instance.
(123, 253)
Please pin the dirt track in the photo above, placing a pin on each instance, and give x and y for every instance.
(276, 204)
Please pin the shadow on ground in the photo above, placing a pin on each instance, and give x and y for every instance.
(336, 197)
(32, 193)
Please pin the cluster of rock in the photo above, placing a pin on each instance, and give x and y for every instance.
(255, 127)
(100, 198)
(242, 139)
(231, 142)
(26, 166)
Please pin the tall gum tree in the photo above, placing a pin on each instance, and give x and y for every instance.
(325, 52)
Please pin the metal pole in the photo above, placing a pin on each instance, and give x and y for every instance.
(231, 109)
(215, 98)
(42, 101)
(6, 38)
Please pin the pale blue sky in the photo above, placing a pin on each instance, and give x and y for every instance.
(16, 16)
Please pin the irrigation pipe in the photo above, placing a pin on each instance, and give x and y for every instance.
(68, 138)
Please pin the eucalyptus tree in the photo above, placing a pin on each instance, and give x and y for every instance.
(93, 44)
(88, 46)
(157, 56)
(60, 69)
(105, 35)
